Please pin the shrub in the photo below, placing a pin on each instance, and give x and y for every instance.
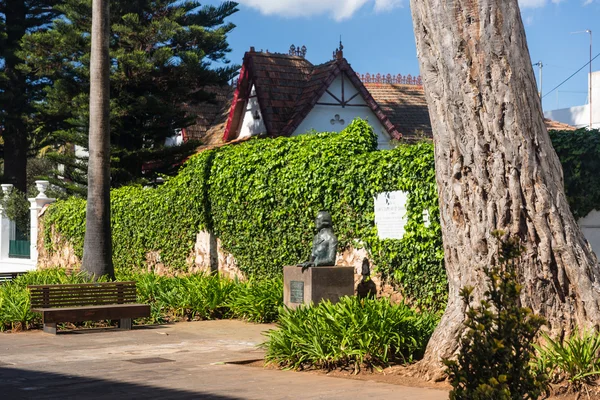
(575, 359)
(51, 276)
(15, 307)
(257, 300)
(497, 347)
(351, 333)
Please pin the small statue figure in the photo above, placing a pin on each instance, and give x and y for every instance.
(366, 288)
(324, 247)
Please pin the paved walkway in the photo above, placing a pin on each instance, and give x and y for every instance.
(181, 361)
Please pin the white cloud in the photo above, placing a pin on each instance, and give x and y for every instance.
(528, 21)
(539, 3)
(532, 3)
(344, 9)
(337, 9)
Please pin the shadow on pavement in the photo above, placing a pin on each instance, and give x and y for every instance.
(83, 331)
(25, 384)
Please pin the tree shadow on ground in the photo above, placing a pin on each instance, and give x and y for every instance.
(24, 384)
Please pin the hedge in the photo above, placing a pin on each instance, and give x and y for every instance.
(261, 197)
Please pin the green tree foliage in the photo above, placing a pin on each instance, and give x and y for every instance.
(20, 88)
(260, 199)
(16, 208)
(161, 57)
(498, 345)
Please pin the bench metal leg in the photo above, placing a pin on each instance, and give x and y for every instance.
(50, 328)
(125, 323)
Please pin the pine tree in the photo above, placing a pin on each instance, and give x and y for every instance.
(162, 54)
(19, 89)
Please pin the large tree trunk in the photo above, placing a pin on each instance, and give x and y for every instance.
(15, 99)
(97, 246)
(496, 168)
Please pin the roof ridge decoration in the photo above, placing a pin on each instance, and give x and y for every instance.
(297, 51)
(398, 79)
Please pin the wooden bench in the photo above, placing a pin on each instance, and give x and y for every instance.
(9, 276)
(87, 302)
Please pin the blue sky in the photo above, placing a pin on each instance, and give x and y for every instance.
(378, 36)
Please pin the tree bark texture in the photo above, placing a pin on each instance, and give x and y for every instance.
(15, 100)
(496, 168)
(97, 246)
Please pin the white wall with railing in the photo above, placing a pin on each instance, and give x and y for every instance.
(19, 263)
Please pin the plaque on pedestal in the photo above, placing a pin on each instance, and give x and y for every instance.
(315, 284)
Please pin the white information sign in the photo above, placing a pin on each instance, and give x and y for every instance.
(390, 214)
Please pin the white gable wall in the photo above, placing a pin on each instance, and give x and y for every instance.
(322, 118)
(253, 123)
(590, 226)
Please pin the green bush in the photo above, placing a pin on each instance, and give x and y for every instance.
(575, 359)
(261, 197)
(497, 347)
(257, 300)
(51, 276)
(15, 307)
(351, 333)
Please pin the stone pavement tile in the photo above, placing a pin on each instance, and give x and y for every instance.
(181, 361)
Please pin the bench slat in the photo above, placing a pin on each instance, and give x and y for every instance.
(93, 313)
(85, 294)
(78, 302)
(83, 285)
(112, 289)
(81, 295)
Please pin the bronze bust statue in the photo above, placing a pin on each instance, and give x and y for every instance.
(324, 247)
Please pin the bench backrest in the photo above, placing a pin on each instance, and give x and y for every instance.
(9, 276)
(83, 294)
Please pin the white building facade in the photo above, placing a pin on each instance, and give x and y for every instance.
(579, 116)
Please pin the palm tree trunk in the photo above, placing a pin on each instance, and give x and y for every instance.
(496, 168)
(97, 247)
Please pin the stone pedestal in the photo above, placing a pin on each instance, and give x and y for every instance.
(316, 284)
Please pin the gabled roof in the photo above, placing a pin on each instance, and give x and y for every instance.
(211, 116)
(405, 106)
(558, 126)
(287, 88)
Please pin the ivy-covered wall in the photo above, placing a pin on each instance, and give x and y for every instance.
(579, 153)
(261, 197)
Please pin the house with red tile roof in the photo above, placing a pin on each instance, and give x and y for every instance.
(284, 95)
